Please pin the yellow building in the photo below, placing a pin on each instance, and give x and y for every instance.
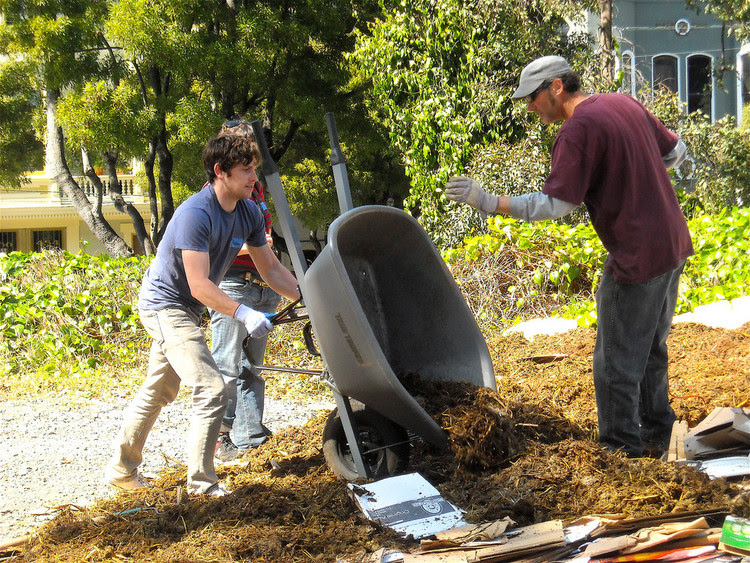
(40, 215)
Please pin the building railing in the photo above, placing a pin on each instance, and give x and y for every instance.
(44, 190)
(128, 185)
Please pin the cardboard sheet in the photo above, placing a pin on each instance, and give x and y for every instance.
(723, 428)
(407, 504)
(649, 538)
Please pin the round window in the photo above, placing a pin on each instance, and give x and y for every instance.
(682, 27)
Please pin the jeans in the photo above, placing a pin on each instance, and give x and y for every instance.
(179, 353)
(630, 362)
(245, 388)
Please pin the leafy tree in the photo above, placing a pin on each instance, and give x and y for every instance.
(736, 12)
(186, 66)
(284, 64)
(57, 43)
(442, 72)
(108, 121)
(20, 149)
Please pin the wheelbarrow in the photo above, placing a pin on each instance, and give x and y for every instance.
(383, 305)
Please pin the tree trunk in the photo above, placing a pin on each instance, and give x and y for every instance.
(152, 199)
(97, 183)
(166, 164)
(57, 168)
(115, 194)
(607, 60)
(159, 144)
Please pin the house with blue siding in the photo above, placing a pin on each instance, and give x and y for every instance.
(662, 42)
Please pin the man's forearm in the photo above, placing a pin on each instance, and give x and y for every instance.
(282, 281)
(537, 206)
(213, 297)
(503, 205)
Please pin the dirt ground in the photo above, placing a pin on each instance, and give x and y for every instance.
(527, 451)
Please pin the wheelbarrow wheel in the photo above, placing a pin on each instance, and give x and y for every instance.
(385, 444)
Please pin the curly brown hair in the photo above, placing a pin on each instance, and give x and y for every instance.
(230, 147)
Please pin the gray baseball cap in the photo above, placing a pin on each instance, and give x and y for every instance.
(536, 72)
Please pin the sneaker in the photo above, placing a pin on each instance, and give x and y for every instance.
(225, 448)
(130, 482)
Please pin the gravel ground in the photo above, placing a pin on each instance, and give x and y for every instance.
(53, 451)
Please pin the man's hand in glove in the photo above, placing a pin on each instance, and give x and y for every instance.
(256, 323)
(466, 190)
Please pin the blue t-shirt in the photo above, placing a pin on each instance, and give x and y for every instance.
(199, 224)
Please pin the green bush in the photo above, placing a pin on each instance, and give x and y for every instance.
(720, 268)
(71, 320)
(520, 270)
(718, 170)
(62, 313)
(524, 269)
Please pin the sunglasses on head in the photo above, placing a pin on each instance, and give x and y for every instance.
(543, 86)
(235, 123)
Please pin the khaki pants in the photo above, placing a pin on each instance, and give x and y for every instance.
(179, 353)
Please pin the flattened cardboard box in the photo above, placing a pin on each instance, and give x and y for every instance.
(407, 504)
(724, 428)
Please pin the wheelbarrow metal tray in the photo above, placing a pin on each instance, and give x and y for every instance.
(383, 303)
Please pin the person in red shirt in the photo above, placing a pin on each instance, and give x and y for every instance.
(612, 155)
(245, 387)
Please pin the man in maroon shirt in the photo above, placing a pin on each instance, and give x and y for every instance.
(612, 155)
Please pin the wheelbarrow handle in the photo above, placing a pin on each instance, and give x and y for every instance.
(337, 156)
(308, 337)
(338, 164)
(286, 315)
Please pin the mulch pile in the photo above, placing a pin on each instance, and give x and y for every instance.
(527, 451)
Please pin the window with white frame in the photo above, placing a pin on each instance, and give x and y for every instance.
(700, 84)
(664, 69)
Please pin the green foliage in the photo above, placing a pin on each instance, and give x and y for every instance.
(562, 264)
(44, 44)
(192, 122)
(442, 72)
(732, 11)
(311, 193)
(720, 152)
(20, 150)
(102, 118)
(552, 265)
(66, 317)
(720, 268)
(57, 38)
(62, 313)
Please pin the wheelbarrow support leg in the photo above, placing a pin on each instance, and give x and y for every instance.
(281, 204)
(338, 163)
(351, 431)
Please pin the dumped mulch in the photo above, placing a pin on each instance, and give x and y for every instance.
(527, 451)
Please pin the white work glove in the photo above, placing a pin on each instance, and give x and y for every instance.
(256, 323)
(466, 190)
